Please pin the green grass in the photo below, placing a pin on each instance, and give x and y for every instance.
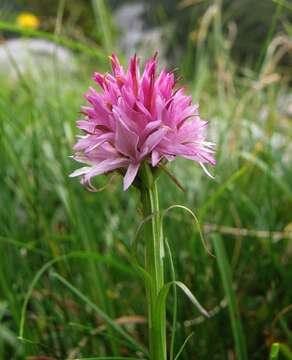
(65, 269)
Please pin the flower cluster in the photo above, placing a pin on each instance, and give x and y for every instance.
(138, 117)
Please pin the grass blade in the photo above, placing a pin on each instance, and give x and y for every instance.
(226, 277)
(46, 266)
(100, 313)
(183, 346)
(103, 22)
(72, 44)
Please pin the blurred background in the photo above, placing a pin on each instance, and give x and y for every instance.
(65, 253)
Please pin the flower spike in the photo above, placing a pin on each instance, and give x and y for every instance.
(138, 118)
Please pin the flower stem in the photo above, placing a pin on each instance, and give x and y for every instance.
(154, 255)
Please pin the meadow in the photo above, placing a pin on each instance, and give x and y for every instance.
(68, 288)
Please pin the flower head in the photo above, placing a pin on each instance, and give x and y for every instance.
(28, 20)
(138, 117)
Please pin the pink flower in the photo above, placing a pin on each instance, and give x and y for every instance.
(138, 118)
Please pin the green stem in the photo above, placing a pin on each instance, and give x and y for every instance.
(154, 255)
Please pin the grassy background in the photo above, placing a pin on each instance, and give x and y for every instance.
(50, 225)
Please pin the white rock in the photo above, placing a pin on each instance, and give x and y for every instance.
(37, 57)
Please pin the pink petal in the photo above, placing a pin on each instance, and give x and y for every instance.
(105, 166)
(83, 142)
(130, 175)
(153, 140)
(117, 68)
(100, 79)
(126, 141)
(155, 158)
(99, 141)
(87, 126)
(81, 171)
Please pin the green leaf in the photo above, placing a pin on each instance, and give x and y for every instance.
(174, 310)
(197, 223)
(162, 297)
(275, 351)
(286, 351)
